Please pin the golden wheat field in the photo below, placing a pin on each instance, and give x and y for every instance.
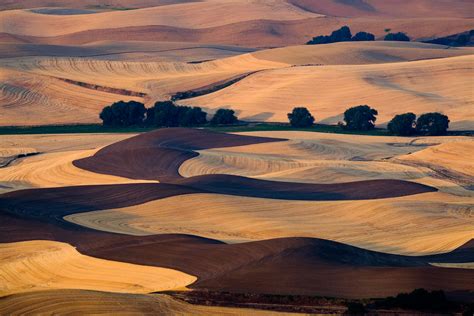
(137, 208)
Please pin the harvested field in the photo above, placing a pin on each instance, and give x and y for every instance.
(432, 223)
(420, 84)
(269, 218)
(62, 267)
(46, 84)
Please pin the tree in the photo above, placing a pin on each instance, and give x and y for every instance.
(402, 124)
(342, 35)
(123, 114)
(165, 114)
(224, 117)
(432, 124)
(192, 116)
(360, 118)
(363, 36)
(401, 37)
(300, 117)
(168, 114)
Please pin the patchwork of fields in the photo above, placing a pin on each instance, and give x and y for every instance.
(122, 223)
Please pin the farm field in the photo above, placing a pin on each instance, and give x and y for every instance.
(256, 217)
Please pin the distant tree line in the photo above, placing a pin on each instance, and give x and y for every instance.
(363, 117)
(357, 118)
(461, 39)
(344, 34)
(161, 114)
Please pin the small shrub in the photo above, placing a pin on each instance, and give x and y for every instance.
(432, 124)
(300, 117)
(224, 117)
(402, 124)
(361, 118)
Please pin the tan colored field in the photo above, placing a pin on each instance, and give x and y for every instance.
(442, 85)
(453, 157)
(55, 170)
(93, 302)
(49, 143)
(53, 166)
(59, 102)
(42, 265)
(351, 157)
(380, 69)
(430, 223)
(25, 96)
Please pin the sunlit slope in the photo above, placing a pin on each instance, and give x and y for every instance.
(37, 83)
(186, 15)
(53, 165)
(51, 143)
(41, 265)
(31, 99)
(429, 223)
(55, 170)
(452, 160)
(443, 85)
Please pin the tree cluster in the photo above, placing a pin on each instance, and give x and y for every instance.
(461, 39)
(419, 299)
(122, 114)
(400, 36)
(363, 117)
(162, 114)
(168, 114)
(430, 124)
(341, 35)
